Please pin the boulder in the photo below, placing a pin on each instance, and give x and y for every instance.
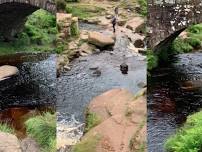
(136, 24)
(7, 71)
(29, 145)
(100, 39)
(61, 17)
(121, 117)
(86, 48)
(121, 22)
(9, 143)
(124, 68)
(109, 17)
(139, 43)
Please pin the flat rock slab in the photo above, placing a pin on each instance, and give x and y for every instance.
(100, 39)
(30, 145)
(9, 143)
(123, 121)
(7, 71)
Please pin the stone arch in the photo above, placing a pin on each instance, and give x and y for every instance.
(13, 14)
(168, 18)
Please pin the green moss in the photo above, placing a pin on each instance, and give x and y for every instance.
(143, 6)
(180, 46)
(87, 145)
(43, 129)
(74, 29)
(83, 11)
(194, 42)
(4, 127)
(61, 5)
(135, 145)
(92, 120)
(152, 60)
(189, 137)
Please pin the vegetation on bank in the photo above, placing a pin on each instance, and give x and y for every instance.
(37, 35)
(87, 145)
(189, 137)
(143, 7)
(4, 127)
(43, 129)
(191, 43)
(83, 11)
(92, 120)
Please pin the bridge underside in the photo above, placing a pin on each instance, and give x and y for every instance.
(12, 18)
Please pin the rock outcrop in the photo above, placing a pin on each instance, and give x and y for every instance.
(100, 40)
(123, 122)
(7, 71)
(137, 24)
(9, 143)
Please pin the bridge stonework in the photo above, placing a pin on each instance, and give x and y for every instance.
(168, 18)
(13, 14)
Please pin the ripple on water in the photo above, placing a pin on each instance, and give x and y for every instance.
(172, 97)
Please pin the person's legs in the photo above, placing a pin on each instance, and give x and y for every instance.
(114, 28)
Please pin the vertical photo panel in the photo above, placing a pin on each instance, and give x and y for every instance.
(174, 76)
(101, 69)
(27, 76)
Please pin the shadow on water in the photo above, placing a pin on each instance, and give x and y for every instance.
(174, 92)
(31, 92)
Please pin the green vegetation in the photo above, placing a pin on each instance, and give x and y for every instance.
(37, 35)
(74, 29)
(192, 42)
(43, 129)
(83, 11)
(4, 127)
(134, 145)
(143, 6)
(152, 60)
(61, 5)
(92, 120)
(189, 137)
(87, 145)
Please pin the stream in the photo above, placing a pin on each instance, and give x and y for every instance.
(174, 92)
(31, 91)
(77, 87)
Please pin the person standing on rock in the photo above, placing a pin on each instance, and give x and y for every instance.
(114, 20)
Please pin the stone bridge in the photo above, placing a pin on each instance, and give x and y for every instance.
(168, 18)
(13, 14)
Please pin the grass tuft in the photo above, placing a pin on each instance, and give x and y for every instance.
(87, 145)
(92, 120)
(4, 127)
(43, 129)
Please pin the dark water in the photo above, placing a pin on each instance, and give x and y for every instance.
(30, 92)
(174, 92)
(35, 83)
